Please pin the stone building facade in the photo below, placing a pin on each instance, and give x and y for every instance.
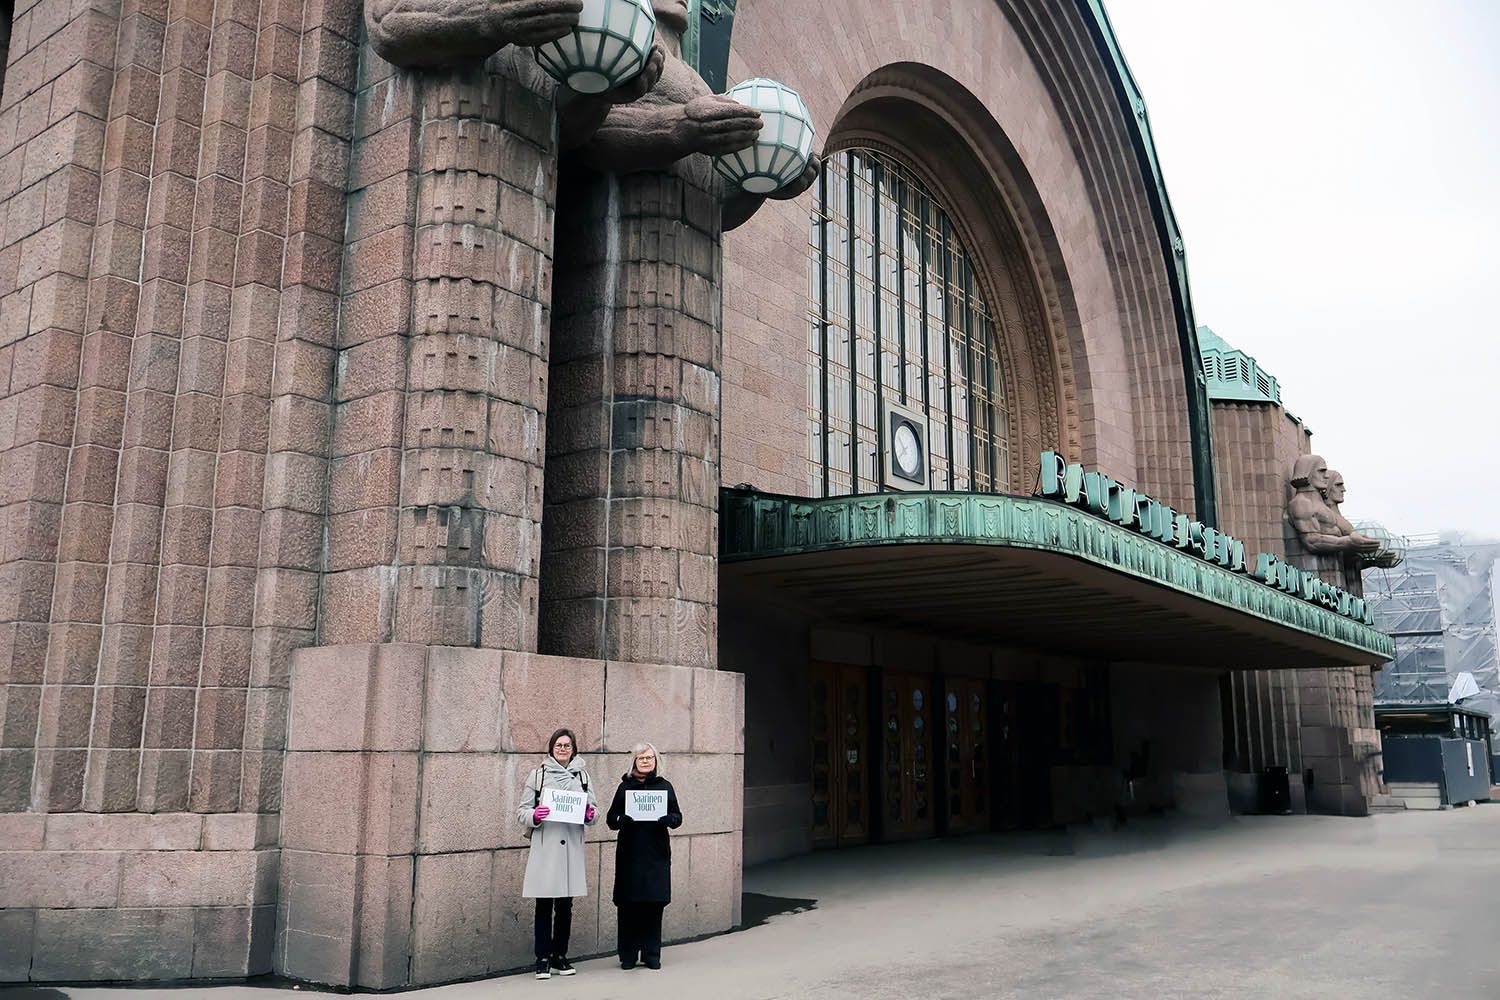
(356, 430)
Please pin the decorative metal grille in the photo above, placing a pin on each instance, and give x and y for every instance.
(895, 311)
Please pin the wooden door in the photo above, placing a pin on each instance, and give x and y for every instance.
(966, 754)
(908, 806)
(840, 734)
(1004, 756)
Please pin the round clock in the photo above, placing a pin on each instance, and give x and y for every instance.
(908, 452)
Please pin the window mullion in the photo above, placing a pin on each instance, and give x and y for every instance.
(947, 321)
(823, 310)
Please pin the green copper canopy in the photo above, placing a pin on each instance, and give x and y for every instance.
(1023, 571)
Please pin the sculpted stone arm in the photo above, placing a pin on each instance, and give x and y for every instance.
(417, 34)
(654, 133)
(1312, 530)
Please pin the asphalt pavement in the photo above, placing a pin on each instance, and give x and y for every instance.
(1397, 905)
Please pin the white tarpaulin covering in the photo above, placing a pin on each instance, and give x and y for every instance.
(1439, 606)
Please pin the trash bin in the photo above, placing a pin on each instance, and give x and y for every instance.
(1275, 792)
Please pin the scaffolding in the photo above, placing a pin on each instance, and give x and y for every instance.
(1439, 606)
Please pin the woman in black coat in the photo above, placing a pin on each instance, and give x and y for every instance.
(643, 861)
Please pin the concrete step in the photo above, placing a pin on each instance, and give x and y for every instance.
(1416, 794)
(1405, 789)
(1387, 803)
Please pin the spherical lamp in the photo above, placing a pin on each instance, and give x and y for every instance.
(1392, 550)
(608, 48)
(784, 146)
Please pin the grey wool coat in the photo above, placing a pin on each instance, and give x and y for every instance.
(554, 867)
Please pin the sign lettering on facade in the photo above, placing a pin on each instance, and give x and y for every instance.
(1097, 494)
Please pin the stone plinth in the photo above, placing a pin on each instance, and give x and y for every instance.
(89, 896)
(402, 861)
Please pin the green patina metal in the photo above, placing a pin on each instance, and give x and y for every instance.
(1232, 374)
(760, 526)
(1134, 106)
(706, 45)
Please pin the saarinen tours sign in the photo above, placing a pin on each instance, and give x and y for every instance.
(1098, 494)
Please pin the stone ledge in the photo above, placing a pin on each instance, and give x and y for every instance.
(138, 831)
(371, 698)
(49, 879)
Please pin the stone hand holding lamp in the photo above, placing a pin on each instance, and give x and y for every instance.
(429, 34)
(681, 116)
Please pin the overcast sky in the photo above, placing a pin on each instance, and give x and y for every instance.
(1335, 168)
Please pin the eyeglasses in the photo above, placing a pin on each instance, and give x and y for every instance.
(560, 745)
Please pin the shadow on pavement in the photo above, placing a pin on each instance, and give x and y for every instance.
(757, 908)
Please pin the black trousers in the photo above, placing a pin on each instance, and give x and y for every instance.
(554, 925)
(640, 931)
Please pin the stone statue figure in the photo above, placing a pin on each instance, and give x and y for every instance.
(1314, 512)
(430, 34)
(682, 116)
(1335, 496)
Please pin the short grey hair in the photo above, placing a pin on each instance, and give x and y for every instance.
(643, 745)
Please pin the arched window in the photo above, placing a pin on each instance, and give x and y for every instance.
(889, 279)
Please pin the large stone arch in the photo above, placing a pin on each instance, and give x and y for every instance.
(926, 120)
(1025, 80)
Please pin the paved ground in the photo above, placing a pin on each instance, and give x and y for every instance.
(1401, 905)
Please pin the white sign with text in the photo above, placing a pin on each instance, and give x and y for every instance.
(567, 807)
(645, 805)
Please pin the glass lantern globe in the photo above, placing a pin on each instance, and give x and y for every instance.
(784, 146)
(1392, 549)
(608, 48)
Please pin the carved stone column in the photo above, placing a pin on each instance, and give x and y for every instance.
(630, 543)
(437, 472)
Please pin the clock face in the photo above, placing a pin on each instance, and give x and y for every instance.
(908, 452)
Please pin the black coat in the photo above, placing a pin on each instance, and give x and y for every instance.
(643, 854)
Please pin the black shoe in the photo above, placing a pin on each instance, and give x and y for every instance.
(652, 963)
(562, 966)
(627, 963)
(543, 969)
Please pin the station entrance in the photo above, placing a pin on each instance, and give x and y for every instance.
(901, 755)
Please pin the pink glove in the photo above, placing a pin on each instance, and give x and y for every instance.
(588, 814)
(540, 813)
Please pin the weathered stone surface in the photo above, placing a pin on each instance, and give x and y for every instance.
(238, 831)
(718, 711)
(511, 914)
(315, 916)
(609, 914)
(350, 803)
(222, 938)
(710, 791)
(17, 934)
(708, 905)
(357, 697)
(468, 802)
(385, 916)
(124, 832)
(59, 879)
(189, 878)
(644, 701)
(543, 693)
(464, 705)
(104, 944)
(451, 917)
(22, 831)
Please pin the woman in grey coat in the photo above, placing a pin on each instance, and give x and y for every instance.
(554, 865)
